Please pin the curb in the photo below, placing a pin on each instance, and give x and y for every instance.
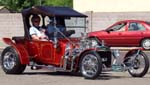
(127, 48)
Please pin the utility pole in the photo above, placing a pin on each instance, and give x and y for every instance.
(40, 2)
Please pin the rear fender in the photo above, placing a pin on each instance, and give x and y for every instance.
(23, 54)
(8, 41)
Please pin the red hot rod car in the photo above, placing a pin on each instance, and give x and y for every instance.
(61, 52)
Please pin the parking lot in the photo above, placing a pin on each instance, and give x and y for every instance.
(44, 77)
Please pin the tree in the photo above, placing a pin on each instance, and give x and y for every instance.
(66, 3)
(18, 5)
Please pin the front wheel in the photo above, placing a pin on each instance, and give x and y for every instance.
(90, 65)
(138, 64)
(10, 61)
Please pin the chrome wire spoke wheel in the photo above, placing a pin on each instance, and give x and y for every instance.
(11, 63)
(9, 60)
(90, 65)
(138, 64)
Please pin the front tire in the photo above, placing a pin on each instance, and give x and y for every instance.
(139, 66)
(10, 61)
(90, 65)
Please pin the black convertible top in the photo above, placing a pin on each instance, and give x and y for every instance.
(52, 11)
(57, 12)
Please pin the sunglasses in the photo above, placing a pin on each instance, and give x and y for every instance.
(36, 21)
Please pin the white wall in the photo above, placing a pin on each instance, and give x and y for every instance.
(11, 24)
(112, 5)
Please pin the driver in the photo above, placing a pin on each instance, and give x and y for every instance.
(35, 31)
(61, 30)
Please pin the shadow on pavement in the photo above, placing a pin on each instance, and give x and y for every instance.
(53, 73)
(103, 76)
(108, 76)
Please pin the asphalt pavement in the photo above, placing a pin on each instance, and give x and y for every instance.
(42, 77)
(45, 77)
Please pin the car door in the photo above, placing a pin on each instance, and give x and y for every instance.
(114, 36)
(42, 51)
(134, 34)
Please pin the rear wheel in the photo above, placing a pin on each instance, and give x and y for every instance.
(90, 65)
(10, 61)
(146, 44)
(139, 65)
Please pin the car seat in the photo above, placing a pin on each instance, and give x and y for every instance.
(134, 27)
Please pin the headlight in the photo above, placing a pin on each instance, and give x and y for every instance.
(93, 43)
(89, 43)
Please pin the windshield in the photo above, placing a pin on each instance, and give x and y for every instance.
(68, 26)
(117, 27)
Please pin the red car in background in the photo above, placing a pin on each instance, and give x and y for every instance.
(125, 33)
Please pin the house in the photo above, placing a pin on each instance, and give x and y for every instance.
(4, 10)
(112, 5)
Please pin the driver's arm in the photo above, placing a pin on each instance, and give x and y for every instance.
(35, 34)
(35, 37)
